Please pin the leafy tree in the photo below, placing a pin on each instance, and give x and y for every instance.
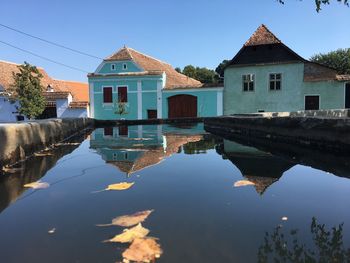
(319, 3)
(338, 59)
(204, 75)
(178, 69)
(121, 108)
(189, 71)
(27, 89)
(221, 68)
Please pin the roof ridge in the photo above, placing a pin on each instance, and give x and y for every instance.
(70, 81)
(143, 54)
(254, 38)
(18, 64)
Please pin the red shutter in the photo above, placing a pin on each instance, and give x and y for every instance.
(122, 94)
(107, 95)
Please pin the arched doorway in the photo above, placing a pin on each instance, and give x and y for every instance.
(182, 106)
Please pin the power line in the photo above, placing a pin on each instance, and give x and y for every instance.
(50, 42)
(42, 57)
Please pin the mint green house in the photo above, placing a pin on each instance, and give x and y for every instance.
(267, 76)
(134, 86)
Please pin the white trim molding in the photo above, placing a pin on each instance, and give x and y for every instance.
(139, 100)
(92, 100)
(219, 102)
(192, 90)
(159, 99)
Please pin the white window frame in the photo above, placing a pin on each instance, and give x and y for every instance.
(113, 67)
(243, 81)
(125, 66)
(127, 91)
(107, 103)
(275, 81)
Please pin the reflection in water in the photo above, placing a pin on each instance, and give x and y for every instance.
(12, 185)
(144, 146)
(261, 168)
(327, 246)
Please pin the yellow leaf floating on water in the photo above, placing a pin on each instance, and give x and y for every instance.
(130, 220)
(42, 154)
(243, 183)
(37, 185)
(142, 250)
(119, 186)
(130, 234)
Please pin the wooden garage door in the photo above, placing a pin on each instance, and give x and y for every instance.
(181, 106)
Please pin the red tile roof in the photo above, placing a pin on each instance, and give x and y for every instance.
(262, 36)
(174, 79)
(79, 90)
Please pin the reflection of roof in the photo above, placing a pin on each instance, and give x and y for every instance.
(261, 169)
(154, 156)
(174, 79)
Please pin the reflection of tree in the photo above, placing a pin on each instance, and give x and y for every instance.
(327, 246)
(201, 146)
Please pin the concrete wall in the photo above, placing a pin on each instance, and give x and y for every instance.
(289, 98)
(23, 139)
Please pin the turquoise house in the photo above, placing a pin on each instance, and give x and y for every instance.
(134, 86)
(267, 76)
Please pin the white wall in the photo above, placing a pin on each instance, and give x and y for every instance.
(63, 110)
(8, 110)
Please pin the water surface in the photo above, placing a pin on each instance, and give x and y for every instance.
(187, 176)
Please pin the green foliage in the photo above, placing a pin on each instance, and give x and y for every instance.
(204, 75)
(178, 69)
(339, 60)
(121, 108)
(319, 3)
(200, 146)
(221, 68)
(327, 246)
(27, 90)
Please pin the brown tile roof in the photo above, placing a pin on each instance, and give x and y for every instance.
(174, 79)
(78, 104)
(56, 95)
(262, 36)
(317, 72)
(79, 90)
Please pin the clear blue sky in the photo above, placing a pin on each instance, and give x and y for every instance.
(180, 32)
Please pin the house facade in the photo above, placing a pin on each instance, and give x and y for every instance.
(131, 85)
(267, 76)
(64, 99)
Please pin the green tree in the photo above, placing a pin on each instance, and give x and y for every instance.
(121, 108)
(319, 3)
(178, 69)
(220, 69)
(204, 75)
(27, 89)
(189, 71)
(338, 59)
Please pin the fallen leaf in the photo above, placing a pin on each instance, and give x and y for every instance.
(243, 183)
(119, 186)
(130, 220)
(42, 154)
(143, 250)
(130, 234)
(37, 185)
(11, 170)
(284, 218)
(51, 231)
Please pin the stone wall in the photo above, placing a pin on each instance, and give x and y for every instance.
(19, 140)
(321, 133)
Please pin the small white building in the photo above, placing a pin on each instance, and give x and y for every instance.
(65, 99)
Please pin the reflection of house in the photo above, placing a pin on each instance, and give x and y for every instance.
(64, 98)
(266, 75)
(148, 88)
(261, 168)
(138, 147)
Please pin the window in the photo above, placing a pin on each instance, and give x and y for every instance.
(312, 102)
(275, 81)
(107, 95)
(122, 94)
(248, 82)
(108, 131)
(123, 130)
(112, 66)
(125, 66)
